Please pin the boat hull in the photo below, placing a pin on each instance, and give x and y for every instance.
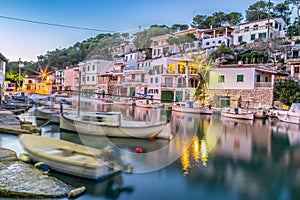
(192, 110)
(51, 115)
(126, 129)
(288, 117)
(246, 116)
(81, 161)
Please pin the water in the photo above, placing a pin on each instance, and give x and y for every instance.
(213, 159)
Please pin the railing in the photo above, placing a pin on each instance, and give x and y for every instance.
(263, 84)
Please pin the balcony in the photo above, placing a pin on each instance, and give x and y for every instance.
(263, 84)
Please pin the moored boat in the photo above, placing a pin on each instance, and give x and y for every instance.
(237, 113)
(190, 107)
(290, 116)
(110, 124)
(72, 158)
(51, 114)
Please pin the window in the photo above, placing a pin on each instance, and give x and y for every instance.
(87, 78)
(207, 43)
(93, 78)
(221, 79)
(240, 78)
(220, 41)
(252, 36)
(156, 80)
(151, 80)
(297, 70)
(93, 67)
(240, 38)
(133, 76)
(88, 68)
(83, 79)
(262, 35)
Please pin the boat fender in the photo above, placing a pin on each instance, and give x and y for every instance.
(76, 192)
(42, 166)
(25, 158)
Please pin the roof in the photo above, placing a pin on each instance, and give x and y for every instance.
(3, 58)
(257, 67)
(260, 20)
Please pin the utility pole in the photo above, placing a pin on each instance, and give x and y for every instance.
(268, 32)
(20, 64)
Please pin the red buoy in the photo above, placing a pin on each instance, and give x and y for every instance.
(138, 150)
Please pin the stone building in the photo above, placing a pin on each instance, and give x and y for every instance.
(248, 86)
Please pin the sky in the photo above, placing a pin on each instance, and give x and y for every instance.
(25, 40)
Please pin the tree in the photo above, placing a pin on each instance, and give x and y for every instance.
(287, 91)
(181, 40)
(294, 29)
(296, 4)
(179, 27)
(218, 19)
(200, 22)
(234, 18)
(142, 38)
(282, 10)
(256, 11)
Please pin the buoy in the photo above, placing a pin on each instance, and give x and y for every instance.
(42, 166)
(138, 150)
(75, 192)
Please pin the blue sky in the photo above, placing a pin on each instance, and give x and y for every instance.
(27, 41)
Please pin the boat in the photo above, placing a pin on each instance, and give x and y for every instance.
(237, 113)
(148, 103)
(50, 113)
(190, 107)
(72, 158)
(290, 116)
(109, 124)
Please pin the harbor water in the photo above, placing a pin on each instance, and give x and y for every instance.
(208, 158)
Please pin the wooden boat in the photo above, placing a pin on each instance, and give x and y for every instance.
(237, 113)
(109, 124)
(71, 158)
(51, 114)
(290, 116)
(190, 107)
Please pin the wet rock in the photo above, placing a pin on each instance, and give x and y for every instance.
(22, 180)
(6, 154)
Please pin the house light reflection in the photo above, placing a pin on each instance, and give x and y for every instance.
(196, 153)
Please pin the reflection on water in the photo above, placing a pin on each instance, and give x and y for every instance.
(214, 158)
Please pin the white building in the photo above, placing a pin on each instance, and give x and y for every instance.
(250, 31)
(3, 62)
(214, 37)
(90, 70)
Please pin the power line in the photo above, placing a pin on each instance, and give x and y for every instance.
(57, 25)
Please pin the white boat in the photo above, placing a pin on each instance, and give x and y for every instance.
(110, 124)
(190, 107)
(237, 113)
(72, 158)
(291, 116)
(148, 103)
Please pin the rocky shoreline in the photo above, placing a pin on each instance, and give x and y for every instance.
(22, 180)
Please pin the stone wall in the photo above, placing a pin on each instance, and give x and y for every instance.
(254, 98)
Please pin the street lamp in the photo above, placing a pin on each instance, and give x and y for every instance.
(20, 65)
